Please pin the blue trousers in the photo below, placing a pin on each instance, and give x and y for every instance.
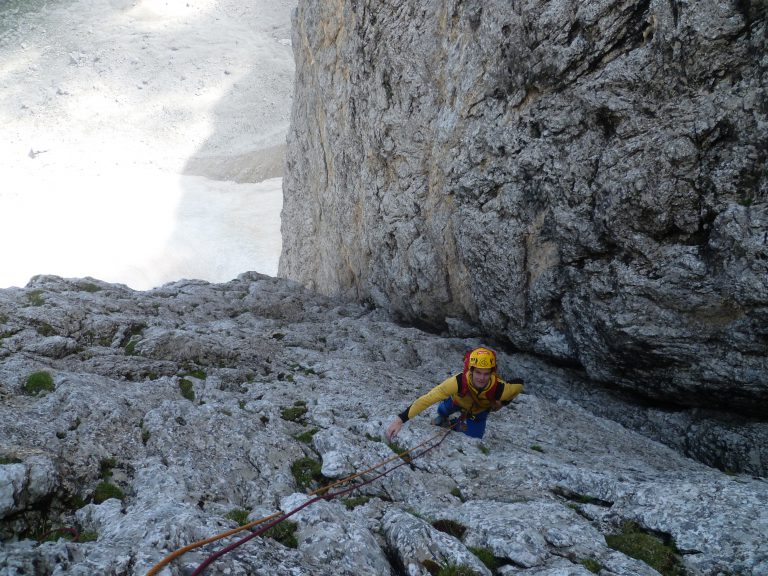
(473, 426)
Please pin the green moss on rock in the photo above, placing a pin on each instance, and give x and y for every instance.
(38, 382)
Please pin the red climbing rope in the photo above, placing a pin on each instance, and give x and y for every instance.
(181, 551)
(327, 496)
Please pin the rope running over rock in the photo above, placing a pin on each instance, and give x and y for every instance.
(319, 494)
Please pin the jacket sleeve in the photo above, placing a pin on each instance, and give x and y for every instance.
(444, 390)
(511, 389)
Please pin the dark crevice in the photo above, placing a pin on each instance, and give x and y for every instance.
(673, 235)
(636, 27)
(607, 121)
(395, 562)
(751, 11)
(428, 325)
(675, 11)
(580, 498)
(574, 32)
(723, 132)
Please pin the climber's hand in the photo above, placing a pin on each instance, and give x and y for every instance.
(394, 428)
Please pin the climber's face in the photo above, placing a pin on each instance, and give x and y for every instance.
(480, 377)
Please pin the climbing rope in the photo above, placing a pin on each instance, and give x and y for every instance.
(319, 494)
(326, 496)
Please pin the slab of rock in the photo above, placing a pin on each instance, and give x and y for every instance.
(184, 398)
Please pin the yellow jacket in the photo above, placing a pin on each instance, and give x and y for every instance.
(472, 402)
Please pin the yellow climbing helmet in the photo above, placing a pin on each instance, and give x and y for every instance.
(481, 358)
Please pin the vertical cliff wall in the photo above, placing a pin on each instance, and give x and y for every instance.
(586, 180)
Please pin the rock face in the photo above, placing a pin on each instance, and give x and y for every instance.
(196, 400)
(585, 180)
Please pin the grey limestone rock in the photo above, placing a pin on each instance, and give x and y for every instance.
(418, 542)
(323, 526)
(24, 484)
(197, 401)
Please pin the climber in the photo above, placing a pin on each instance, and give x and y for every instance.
(474, 392)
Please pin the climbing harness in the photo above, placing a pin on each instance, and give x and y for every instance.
(458, 423)
(319, 494)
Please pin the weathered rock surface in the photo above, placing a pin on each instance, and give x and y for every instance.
(539, 493)
(586, 180)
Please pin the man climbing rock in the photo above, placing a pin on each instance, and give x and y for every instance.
(475, 392)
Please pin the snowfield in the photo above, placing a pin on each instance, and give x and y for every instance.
(142, 141)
